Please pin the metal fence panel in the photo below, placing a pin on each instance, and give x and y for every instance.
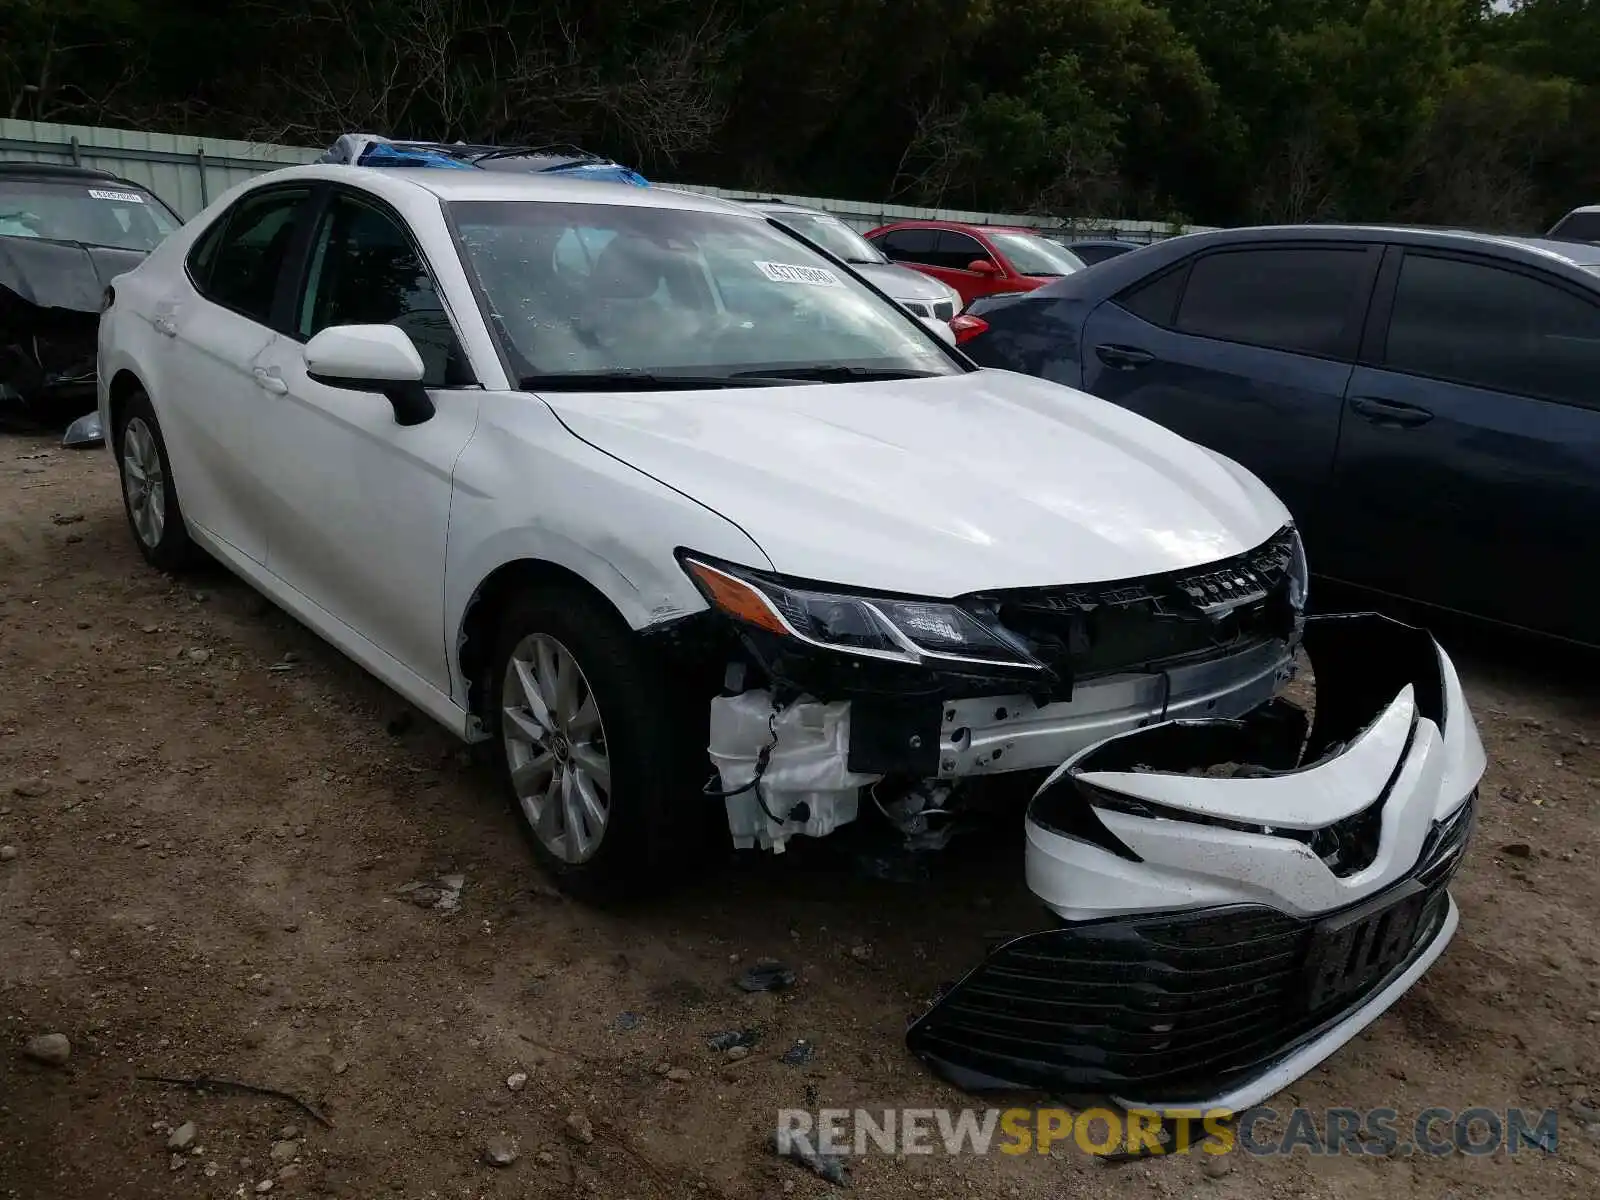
(189, 172)
(186, 172)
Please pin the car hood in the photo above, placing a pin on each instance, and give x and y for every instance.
(898, 283)
(70, 275)
(938, 486)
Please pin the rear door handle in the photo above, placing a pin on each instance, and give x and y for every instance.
(1124, 358)
(1390, 412)
(166, 326)
(269, 381)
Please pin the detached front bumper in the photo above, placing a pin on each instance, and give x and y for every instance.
(1233, 899)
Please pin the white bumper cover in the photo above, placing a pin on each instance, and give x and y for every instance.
(1235, 899)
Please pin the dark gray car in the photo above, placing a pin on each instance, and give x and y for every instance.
(1427, 403)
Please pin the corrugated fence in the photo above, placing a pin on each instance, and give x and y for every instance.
(188, 173)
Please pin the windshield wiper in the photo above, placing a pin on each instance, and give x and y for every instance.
(640, 381)
(837, 373)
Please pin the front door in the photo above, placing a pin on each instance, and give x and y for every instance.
(361, 505)
(953, 257)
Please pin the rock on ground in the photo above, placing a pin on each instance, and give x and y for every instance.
(53, 1049)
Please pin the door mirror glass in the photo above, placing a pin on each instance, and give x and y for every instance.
(372, 358)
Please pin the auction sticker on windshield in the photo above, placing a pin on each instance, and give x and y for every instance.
(790, 273)
(125, 197)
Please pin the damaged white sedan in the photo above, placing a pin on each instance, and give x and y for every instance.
(645, 490)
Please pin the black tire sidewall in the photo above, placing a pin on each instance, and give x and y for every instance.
(175, 550)
(651, 809)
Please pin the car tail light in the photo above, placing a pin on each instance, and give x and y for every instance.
(967, 327)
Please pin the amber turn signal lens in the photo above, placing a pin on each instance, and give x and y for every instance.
(736, 598)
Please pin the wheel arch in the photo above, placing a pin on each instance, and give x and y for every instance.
(481, 616)
(123, 385)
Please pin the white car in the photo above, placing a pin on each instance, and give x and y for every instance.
(917, 293)
(697, 528)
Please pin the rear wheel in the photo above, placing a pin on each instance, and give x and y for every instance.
(149, 496)
(592, 757)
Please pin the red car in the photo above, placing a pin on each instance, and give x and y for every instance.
(976, 260)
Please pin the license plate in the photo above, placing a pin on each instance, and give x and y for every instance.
(1352, 951)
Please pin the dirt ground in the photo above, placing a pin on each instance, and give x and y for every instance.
(213, 815)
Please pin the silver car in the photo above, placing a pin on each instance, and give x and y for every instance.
(921, 294)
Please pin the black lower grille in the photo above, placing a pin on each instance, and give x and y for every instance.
(1168, 1007)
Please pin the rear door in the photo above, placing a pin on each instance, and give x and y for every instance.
(913, 247)
(1246, 350)
(1469, 463)
(219, 321)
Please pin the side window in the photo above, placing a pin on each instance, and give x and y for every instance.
(365, 270)
(910, 245)
(956, 250)
(1488, 327)
(1156, 300)
(204, 252)
(1578, 227)
(238, 262)
(1295, 298)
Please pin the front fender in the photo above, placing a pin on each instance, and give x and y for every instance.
(527, 489)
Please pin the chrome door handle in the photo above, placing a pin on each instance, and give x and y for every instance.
(166, 326)
(270, 382)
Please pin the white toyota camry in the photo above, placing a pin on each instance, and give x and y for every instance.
(698, 527)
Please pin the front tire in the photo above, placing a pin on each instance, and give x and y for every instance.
(590, 754)
(149, 496)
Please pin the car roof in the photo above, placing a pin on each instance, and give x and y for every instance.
(1570, 260)
(959, 226)
(38, 170)
(778, 206)
(457, 186)
(1524, 247)
(1583, 253)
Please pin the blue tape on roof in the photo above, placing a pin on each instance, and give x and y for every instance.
(604, 172)
(383, 154)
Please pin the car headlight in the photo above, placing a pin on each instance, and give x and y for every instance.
(885, 627)
(1299, 575)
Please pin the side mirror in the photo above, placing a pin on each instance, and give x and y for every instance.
(941, 328)
(372, 358)
(982, 266)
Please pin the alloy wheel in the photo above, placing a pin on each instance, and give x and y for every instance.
(555, 746)
(143, 481)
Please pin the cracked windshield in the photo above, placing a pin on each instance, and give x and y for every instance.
(678, 297)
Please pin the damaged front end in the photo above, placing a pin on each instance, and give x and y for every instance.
(51, 294)
(1232, 899)
(938, 712)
